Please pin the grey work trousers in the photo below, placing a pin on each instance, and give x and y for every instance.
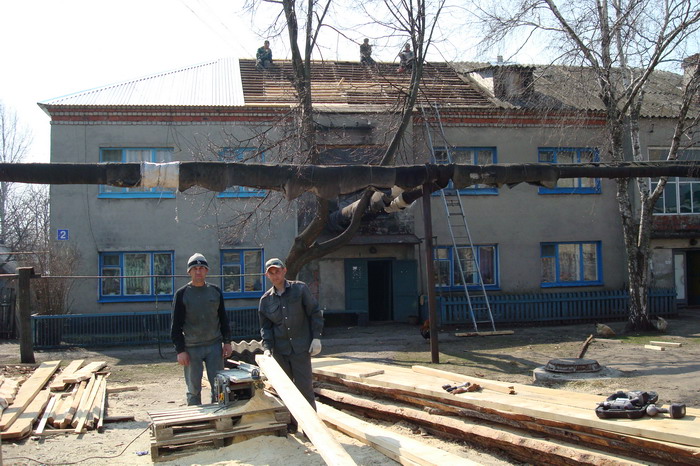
(209, 355)
(298, 368)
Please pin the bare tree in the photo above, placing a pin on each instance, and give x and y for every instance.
(303, 22)
(621, 43)
(14, 144)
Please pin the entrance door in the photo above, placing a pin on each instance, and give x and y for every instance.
(693, 276)
(379, 290)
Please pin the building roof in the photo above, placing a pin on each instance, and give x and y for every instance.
(216, 83)
(575, 88)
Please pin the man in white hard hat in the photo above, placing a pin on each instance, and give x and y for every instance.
(200, 330)
(290, 325)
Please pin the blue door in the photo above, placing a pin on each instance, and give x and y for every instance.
(356, 295)
(405, 289)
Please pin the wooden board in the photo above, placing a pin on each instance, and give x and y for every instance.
(29, 389)
(47, 414)
(85, 409)
(328, 446)
(22, 426)
(670, 344)
(85, 373)
(58, 384)
(485, 334)
(400, 445)
(654, 347)
(537, 405)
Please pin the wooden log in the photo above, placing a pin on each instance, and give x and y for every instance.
(585, 346)
(500, 387)
(654, 347)
(485, 334)
(23, 424)
(58, 384)
(520, 446)
(400, 446)
(328, 446)
(670, 344)
(29, 389)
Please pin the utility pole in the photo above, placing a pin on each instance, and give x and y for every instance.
(430, 273)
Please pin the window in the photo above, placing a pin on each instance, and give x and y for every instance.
(447, 273)
(136, 276)
(681, 195)
(570, 155)
(468, 156)
(571, 264)
(116, 155)
(244, 155)
(242, 273)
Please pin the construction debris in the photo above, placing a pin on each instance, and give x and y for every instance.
(534, 424)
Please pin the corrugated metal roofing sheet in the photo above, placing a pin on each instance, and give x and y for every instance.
(216, 83)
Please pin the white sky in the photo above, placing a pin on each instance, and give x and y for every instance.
(56, 47)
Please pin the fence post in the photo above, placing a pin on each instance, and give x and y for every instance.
(26, 345)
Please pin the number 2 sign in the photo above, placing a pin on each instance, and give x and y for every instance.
(62, 235)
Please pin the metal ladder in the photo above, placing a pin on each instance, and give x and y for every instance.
(477, 299)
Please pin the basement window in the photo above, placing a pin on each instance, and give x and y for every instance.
(122, 155)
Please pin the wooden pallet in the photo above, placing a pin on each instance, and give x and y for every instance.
(178, 432)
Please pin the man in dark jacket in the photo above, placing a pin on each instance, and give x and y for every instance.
(199, 328)
(290, 325)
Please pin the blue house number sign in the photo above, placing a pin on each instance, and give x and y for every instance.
(62, 235)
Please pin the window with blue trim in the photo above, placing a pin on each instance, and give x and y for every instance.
(242, 273)
(557, 155)
(468, 156)
(571, 264)
(245, 154)
(681, 195)
(136, 276)
(122, 155)
(447, 273)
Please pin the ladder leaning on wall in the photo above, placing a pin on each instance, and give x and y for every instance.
(477, 299)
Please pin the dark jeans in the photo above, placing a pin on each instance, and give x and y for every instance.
(211, 356)
(298, 368)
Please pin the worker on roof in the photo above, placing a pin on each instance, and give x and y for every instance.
(406, 57)
(263, 57)
(366, 53)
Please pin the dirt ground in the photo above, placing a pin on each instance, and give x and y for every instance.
(674, 374)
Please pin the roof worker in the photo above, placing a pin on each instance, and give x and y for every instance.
(366, 53)
(290, 325)
(263, 57)
(406, 57)
(200, 330)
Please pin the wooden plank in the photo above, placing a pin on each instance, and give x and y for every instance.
(94, 415)
(101, 413)
(670, 344)
(485, 334)
(29, 389)
(654, 347)
(82, 401)
(86, 372)
(58, 384)
(83, 415)
(22, 426)
(123, 388)
(400, 445)
(47, 413)
(328, 446)
(71, 406)
(372, 373)
(536, 406)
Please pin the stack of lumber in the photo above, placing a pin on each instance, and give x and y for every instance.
(177, 432)
(74, 401)
(8, 389)
(529, 423)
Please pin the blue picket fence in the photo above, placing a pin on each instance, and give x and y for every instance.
(132, 328)
(586, 306)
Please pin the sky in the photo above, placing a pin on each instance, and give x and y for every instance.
(53, 48)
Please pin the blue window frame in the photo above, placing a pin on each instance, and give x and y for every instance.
(246, 154)
(571, 264)
(127, 155)
(681, 195)
(448, 276)
(468, 156)
(555, 155)
(242, 274)
(136, 276)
